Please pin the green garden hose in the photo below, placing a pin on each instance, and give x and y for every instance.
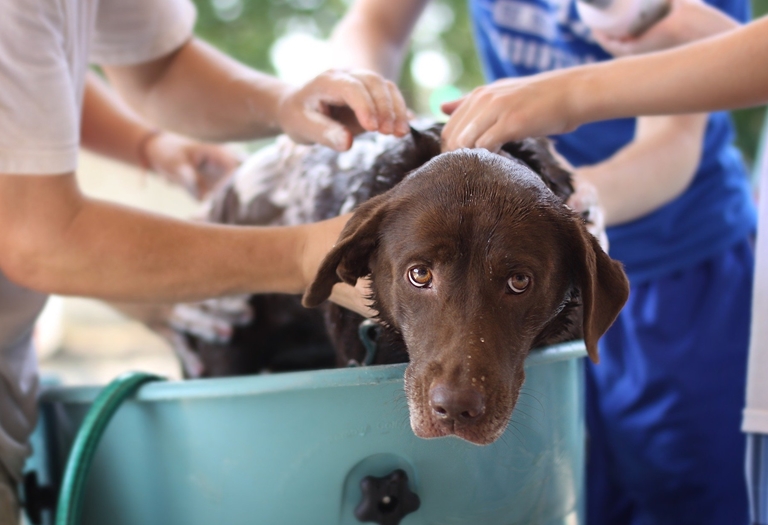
(87, 440)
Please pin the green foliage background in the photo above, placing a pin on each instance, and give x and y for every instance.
(246, 29)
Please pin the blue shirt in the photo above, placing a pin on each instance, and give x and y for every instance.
(523, 37)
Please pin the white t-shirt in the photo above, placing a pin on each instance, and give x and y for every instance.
(756, 412)
(45, 49)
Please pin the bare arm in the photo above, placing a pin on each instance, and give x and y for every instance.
(110, 128)
(200, 92)
(56, 240)
(374, 34)
(687, 21)
(721, 72)
(718, 73)
(657, 166)
(660, 162)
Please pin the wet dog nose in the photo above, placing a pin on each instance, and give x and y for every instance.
(460, 404)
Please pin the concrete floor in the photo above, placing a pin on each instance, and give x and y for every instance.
(84, 341)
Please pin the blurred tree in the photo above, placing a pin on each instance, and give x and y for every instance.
(441, 64)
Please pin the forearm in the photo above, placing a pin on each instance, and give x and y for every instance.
(356, 45)
(109, 127)
(200, 92)
(374, 34)
(656, 167)
(80, 246)
(717, 73)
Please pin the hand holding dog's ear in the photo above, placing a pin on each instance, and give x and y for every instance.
(336, 105)
(322, 264)
(355, 298)
(348, 260)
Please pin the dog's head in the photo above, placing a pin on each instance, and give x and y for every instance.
(472, 257)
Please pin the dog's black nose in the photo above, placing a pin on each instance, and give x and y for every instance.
(460, 404)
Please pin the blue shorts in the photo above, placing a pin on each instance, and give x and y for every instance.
(664, 405)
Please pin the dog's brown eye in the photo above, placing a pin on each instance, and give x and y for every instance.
(420, 276)
(518, 283)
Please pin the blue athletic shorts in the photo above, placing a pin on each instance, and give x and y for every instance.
(664, 405)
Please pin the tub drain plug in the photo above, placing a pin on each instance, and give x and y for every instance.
(386, 500)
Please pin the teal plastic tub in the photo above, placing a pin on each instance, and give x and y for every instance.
(292, 449)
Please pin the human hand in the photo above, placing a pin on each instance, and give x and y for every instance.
(319, 238)
(687, 21)
(195, 166)
(338, 104)
(510, 109)
(585, 201)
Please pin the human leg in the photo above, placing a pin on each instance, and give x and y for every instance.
(607, 501)
(670, 389)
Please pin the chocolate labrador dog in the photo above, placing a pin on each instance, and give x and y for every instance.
(473, 258)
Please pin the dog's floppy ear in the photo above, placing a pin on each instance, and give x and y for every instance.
(348, 259)
(602, 283)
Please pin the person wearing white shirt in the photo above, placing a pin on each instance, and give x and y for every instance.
(53, 239)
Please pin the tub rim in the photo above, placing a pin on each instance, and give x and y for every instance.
(187, 389)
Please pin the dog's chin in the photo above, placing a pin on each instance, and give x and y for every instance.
(482, 433)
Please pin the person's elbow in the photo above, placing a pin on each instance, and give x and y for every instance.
(37, 213)
(25, 262)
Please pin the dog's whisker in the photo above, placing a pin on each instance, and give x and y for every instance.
(533, 430)
(524, 393)
(518, 411)
(537, 407)
(503, 439)
(514, 432)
